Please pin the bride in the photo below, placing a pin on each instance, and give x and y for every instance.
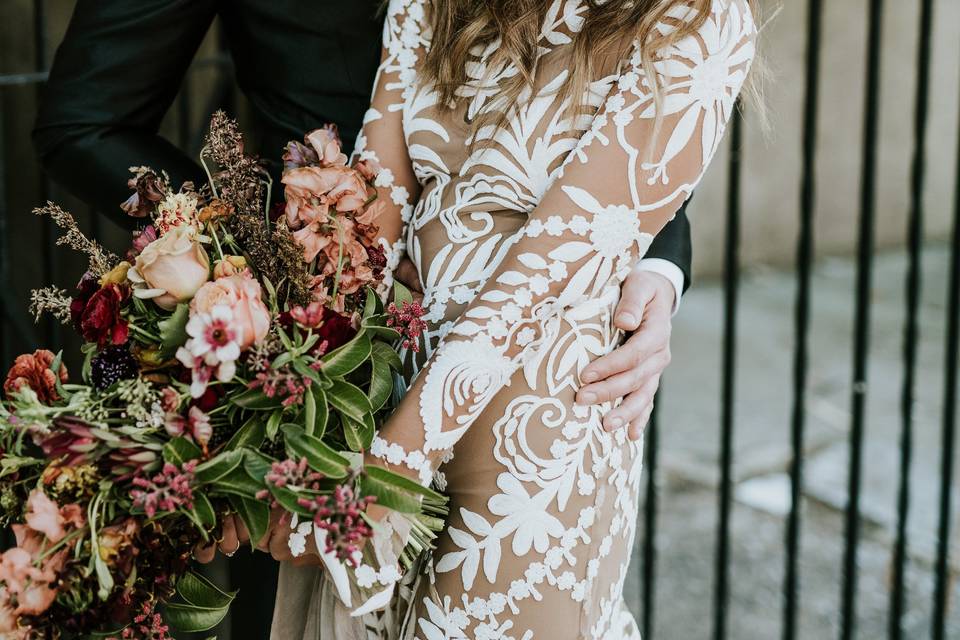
(531, 150)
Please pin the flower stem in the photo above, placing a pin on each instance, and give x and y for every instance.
(336, 280)
(203, 162)
(143, 332)
(216, 240)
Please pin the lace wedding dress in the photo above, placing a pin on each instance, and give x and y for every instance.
(522, 237)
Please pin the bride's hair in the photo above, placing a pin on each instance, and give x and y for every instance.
(462, 26)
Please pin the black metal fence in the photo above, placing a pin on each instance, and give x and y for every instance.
(21, 182)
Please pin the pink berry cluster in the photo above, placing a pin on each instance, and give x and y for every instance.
(167, 491)
(290, 473)
(341, 516)
(283, 383)
(147, 625)
(407, 320)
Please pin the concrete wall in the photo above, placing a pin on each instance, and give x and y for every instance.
(772, 165)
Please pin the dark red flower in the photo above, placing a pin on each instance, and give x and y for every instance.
(33, 371)
(100, 319)
(335, 329)
(377, 259)
(149, 189)
(87, 286)
(277, 211)
(210, 399)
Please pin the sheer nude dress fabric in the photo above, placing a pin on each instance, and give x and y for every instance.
(522, 240)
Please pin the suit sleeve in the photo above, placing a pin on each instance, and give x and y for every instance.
(114, 77)
(626, 179)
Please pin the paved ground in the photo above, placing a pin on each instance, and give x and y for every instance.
(690, 444)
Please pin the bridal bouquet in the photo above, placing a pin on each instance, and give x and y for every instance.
(238, 358)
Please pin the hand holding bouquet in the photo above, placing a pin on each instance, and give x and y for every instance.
(236, 358)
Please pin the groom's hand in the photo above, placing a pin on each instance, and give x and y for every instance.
(633, 371)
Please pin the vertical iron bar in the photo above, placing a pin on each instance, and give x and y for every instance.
(805, 252)
(731, 277)
(951, 357)
(862, 320)
(648, 588)
(911, 332)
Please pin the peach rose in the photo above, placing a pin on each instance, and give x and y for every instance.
(326, 142)
(43, 515)
(310, 191)
(241, 293)
(171, 269)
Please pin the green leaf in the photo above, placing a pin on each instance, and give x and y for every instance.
(319, 455)
(358, 433)
(256, 464)
(318, 425)
(180, 450)
(251, 434)
(190, 618)
(401, 294)
(342, 361)
(381, 384)
(370, 305)
(349, 400)
(204, 510)
(218, 467)
(256, 400)
(289, 500)
(388, 355)
(255, 515)
(309, 411)
(197, 590)
(273, 424)
(375, 327)
(173, 331)
(379, 474)
(389, 494)
(237, 483)
(282, 359)
(303, 369)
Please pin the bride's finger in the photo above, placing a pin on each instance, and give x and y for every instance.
(229, 542)
(205, 555)
(279, 547)
(242, 534)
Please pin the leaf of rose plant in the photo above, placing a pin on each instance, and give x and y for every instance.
(173, 331)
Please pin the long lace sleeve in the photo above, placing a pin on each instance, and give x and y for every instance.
(627, 177)
(381, 140)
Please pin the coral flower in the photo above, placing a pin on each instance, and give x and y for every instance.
(33, 371)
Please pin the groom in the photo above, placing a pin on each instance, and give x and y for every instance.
(301, 65)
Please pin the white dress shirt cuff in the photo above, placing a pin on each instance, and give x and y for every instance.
(669, 271)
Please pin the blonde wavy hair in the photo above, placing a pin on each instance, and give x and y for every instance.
(460, 26)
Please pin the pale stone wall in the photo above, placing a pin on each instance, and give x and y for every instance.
(772, 178)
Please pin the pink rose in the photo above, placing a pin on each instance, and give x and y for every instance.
(241, 293)
(170, 269)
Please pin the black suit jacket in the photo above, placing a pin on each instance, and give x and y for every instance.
(301, 65)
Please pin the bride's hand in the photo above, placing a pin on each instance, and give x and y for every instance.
(276, 542)
(233, 536)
